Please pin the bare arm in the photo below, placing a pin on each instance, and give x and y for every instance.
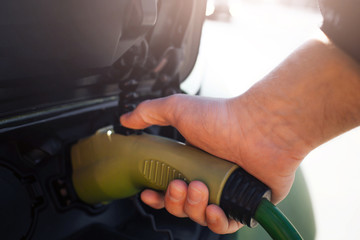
(313, 96)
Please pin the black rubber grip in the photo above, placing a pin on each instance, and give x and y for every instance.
(241, 196)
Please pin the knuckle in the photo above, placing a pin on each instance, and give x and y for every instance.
(144, 105)
(199, 186)
(198, 194)
(174, 105)
(175, 194)
(142, 110)
(175, 209)
(174, 99)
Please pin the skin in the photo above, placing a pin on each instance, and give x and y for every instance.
(308, 99)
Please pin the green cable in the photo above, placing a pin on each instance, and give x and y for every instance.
(274, 222)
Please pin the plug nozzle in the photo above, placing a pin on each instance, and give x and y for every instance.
(109, 166)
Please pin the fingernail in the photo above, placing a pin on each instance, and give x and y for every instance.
(194, 196)
(175, 194)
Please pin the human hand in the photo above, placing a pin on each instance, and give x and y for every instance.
(206, 133)
(310, 98)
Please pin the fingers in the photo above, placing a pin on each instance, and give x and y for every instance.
(152, 112)
(196, 202)
(218, 222)
(175, 198)
(191, 201)
(152, 198)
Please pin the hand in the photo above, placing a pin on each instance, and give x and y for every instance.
(191, 201)
(310, 98)
(208, 124)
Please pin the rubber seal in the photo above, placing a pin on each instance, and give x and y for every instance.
(242, 195)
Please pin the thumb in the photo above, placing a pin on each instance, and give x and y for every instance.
(151, 112)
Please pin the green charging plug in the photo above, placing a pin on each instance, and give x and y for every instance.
(108, 166)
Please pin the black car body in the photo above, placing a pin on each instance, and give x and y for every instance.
(68, 68)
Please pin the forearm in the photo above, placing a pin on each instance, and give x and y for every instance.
(314, 93)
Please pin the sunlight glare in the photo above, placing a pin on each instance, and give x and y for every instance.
(210, 8)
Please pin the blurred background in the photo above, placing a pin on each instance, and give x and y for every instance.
(245, 39)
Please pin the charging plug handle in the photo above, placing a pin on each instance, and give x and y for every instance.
(242, 195)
